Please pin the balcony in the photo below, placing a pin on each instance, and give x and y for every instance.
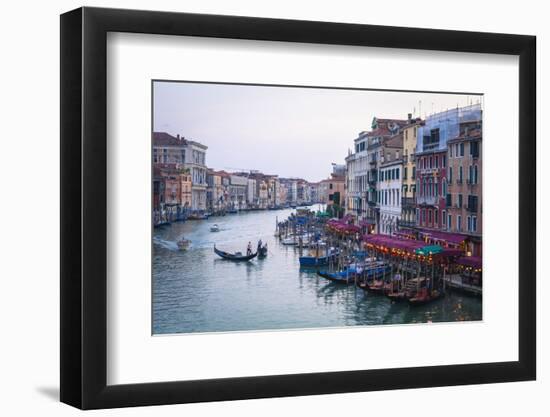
(472, 208)
(408, 201)
(427, 200)
(404, 223)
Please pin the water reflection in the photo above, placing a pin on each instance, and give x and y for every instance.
(196, 291)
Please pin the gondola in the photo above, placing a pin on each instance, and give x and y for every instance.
(341, 277)
(237, 256)
(262, 251)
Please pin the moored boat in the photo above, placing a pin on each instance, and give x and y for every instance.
(342, 277)
(425, 297)
(215, 228)
(316, 260)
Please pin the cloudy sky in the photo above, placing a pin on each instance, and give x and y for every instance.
(292, 132)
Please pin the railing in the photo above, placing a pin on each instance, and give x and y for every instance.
(472, 208)
(408, 201)
(430, 200)
(405, 223)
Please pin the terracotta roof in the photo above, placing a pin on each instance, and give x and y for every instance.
(379, 132)
(398, 121)
(396, 141)
(165, 139)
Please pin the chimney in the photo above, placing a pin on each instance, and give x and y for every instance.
(178, 136)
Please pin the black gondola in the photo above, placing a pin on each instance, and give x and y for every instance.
(262, 251)
(234, 256)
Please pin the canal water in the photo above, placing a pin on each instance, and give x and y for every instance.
(197, 291)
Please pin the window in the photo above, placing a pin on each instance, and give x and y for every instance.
(423, 215)
(449, 200)
(474, 223)
(472, 203)
(460, 201)
(462, 149)
(469, 223)
(456, 150)
(430, 162)
(330, 186)
(436, 162)
(443, 217)
(474, 149)
(443, 161)
(459, 223)
(450, 175)
(356, 147)
(451, 151)
(460, 174)
(413, 173)
(404, 173)
(475, 174)
(417, 216)
(436, 217)
(449, 221)
(397, 173)
(429, 216)
(470, 175)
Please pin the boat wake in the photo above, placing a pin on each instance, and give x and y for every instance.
(166, 244)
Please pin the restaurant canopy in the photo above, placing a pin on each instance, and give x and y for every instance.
(446, 237)
(391, 242)
(429, 250)
(413, 247)
(342, 226)
(470, 261)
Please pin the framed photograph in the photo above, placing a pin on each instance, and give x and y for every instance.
(255, 208)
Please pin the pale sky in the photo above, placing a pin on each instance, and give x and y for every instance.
(292, 132)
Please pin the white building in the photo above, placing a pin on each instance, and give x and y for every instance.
(357, 178)
(237, 191)
(251, 193)
(390, 185)
(195, 160)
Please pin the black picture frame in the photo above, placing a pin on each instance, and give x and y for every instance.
(84, 207)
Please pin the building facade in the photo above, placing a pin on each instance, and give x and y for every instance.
(171, 192)
(390, 185)
(408, 199)
(464, 186)
(433, 174)
(191, 155)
